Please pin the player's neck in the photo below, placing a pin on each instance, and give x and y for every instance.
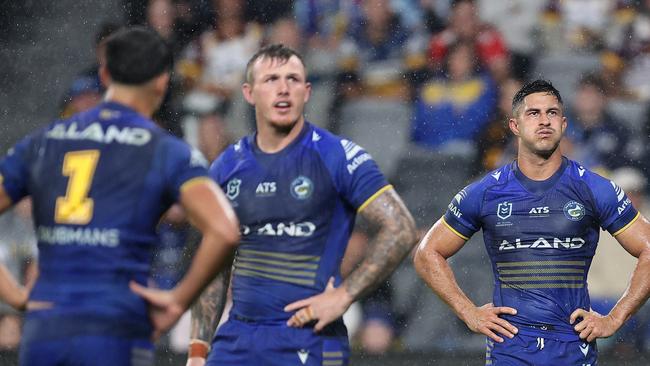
(131, 98)
(538, 168)
(272, 140)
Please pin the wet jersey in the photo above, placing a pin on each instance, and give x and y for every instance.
(99, 183)
(296, 209)
(541, 237)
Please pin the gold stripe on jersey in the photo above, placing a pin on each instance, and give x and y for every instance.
(374, 196)
(541, 278)
(628, 225)
(332, 362)
(542, 285)
(279, 263)
(541, 270)
(240, 264)
(333, 354)
(299, 281)
(286, 256)
(196, 180)
(452, 229)
(540, 263)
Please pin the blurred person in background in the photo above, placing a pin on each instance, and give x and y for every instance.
(212, 66)
(19, 255)
(541, 217)
(465, 26)
(452, 110)
(595, 137)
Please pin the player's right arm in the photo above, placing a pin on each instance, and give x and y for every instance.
(430, 261)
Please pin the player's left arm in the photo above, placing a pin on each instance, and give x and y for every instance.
(394, 240)
(636, 240)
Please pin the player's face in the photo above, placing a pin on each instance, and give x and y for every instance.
(539, 124)
(279, 91)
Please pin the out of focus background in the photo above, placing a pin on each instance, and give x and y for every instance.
(424, 85)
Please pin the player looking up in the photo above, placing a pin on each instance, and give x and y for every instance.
(540, 217)
(296, 189)
(100, 182)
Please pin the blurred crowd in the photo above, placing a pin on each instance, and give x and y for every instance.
(426, 87)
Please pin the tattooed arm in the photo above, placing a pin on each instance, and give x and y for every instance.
(394, 240)
(206, 313)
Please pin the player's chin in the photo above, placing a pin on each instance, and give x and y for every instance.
(284, 123)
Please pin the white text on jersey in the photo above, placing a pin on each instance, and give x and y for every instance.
(301, 229)
(543, 243)
(94, 132)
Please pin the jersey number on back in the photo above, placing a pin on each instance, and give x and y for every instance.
(76, 207)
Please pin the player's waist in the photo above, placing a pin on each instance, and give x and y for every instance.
(562, 332)
(39, 326)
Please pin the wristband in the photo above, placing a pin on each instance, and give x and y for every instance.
(198, 348)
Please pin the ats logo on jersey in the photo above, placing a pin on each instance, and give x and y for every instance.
(232, 188)
(574, 211)
(266, 189)
(302, 188)
(504, 210)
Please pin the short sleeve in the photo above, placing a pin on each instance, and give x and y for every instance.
(183, 165)
(359, 177)
(14, 170)
(615, 210)
(463, 213)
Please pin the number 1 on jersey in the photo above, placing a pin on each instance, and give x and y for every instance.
(76, 207)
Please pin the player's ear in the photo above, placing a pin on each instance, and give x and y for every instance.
(514, 126)
(161, 83)
(564, 124)
(308, 94)
(247, 90)
(104, 76)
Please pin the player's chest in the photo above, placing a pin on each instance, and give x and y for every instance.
(561, 216)
(279, 193)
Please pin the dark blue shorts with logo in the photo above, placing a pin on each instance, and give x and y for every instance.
(247, 343)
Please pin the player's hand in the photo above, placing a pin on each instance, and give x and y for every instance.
(593, 325)
(164, 308)
(486, 320)
(324, 307)
(195, 361)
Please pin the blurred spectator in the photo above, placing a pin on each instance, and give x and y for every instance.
(636, 49)
(85, 93)
(18, 253)
(372, 53)
(496, 144)
(612, 266)
(452, 111)
(465, 26)
(213, 136)
(575, 25)
(267, 12)
(285, 31)
(518, 31)
(92, 71)
(597, 138)
(212, 67)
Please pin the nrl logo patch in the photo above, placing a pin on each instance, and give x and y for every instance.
(232, 188)
(504, 210)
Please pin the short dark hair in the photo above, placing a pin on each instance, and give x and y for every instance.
(535, 86)
(135, 55)
(275, 51)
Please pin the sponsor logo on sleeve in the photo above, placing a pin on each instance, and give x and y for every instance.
(352, 151)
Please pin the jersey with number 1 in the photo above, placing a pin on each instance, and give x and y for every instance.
(99, 183)
(541, 237)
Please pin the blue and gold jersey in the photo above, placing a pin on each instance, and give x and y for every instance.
(296, 209)
(541, 237)
(99, 182)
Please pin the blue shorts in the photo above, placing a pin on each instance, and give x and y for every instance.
(240, 343)
(524, 350)
(87, 351)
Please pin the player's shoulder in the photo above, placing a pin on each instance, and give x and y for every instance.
(496, 178)
(332, 145)
(235, 152)
(578, 173)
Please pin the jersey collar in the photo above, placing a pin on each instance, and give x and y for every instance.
(539, 186)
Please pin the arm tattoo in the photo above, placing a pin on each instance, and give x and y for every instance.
(394, 240)
(207, 310)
